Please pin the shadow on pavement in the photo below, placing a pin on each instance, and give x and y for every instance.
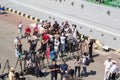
(45, 74)
(95, 55)
(92, 72)
(88, 73)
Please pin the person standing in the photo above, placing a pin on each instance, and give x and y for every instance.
(55, 26)
(32, 50)
(15, 45)
(78, 64)
(63, 69)
(84, 66)
(62, 43)
(11, 74)
(53, 54)
(54, 69)
(27, 32)
(19, 49)
(56, 46)
(113, 70)
(90, 45)
(107, 66)
(36, 30)
(74, 31)
(20, 27)
(70, 71)
(45, 40)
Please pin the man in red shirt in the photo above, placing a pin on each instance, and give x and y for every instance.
(45, 39)
(27, 32)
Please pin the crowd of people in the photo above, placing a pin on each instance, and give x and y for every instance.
(56, 42)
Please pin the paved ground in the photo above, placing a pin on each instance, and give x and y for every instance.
(8, 31)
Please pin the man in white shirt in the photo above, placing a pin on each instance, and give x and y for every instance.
(15, 45)
(62, 41)
(56, 45)
(84, 66)
(113, 70)
(20, 26)
(74, 31)
(107, 66)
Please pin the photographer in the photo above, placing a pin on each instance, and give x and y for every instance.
(11, 75)
(32, 48)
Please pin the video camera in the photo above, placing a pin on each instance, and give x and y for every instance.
(25, 54)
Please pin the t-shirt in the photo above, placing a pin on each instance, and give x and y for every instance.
(62, 39)
(75, 34)
(56, 44)
(63, 67)
(27, 30)
(77, 63)
(45, 37)
(54, 67)
(20, 26)
(108, 65)
(53, 55)
(51, 37)
(114, 69)
(84, 61)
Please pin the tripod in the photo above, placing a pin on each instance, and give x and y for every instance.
(6, 65)
(20, 62)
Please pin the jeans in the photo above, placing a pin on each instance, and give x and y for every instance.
(62, 48)
(53, 76)
(77, 68)
(84, 70)
(32, 55)
(112, 77)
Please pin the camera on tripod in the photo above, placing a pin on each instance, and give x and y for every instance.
(25, 55)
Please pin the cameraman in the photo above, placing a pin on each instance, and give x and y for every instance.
(11, 74)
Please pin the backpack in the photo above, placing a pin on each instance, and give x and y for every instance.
(87, 61)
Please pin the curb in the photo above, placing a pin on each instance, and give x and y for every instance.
(21, 14)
